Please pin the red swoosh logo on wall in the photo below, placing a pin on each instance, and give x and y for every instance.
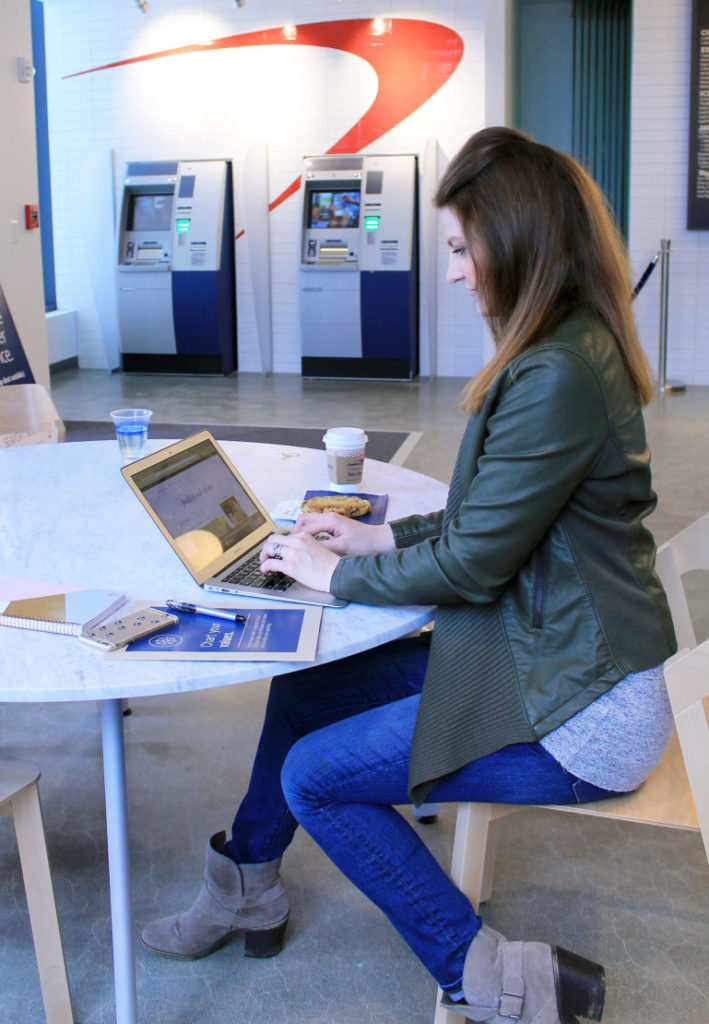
(411, 59)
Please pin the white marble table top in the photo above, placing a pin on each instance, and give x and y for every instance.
(67, 516)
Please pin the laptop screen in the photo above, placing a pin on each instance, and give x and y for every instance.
(199, 502)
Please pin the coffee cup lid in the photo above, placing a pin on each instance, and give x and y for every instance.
(344, 437)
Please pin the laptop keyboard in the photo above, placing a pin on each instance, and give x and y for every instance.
(249, 574)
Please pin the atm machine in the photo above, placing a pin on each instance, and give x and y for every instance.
(175, 274)
(358, 280)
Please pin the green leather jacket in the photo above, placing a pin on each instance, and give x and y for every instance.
(540, 566)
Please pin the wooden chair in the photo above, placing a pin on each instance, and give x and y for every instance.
(675, 795)
(19, 797)
(28, 416)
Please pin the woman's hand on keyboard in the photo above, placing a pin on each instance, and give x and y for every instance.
(301, 556)
(346, 536)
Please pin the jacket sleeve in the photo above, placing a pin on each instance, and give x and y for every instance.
(413, 529)
(547, 430)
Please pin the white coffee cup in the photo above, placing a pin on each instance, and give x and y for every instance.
(344, 448)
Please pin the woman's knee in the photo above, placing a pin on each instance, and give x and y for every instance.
(302, 776)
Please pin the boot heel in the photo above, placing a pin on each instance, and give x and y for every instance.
(267, 942)
(580, 985)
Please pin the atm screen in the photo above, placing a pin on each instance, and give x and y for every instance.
(333, 208)
(149, 212)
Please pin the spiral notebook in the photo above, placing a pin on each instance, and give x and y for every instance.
(54, 607)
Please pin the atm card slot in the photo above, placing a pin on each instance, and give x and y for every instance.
(334, 252)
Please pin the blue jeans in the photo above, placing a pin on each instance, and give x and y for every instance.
(334, 757)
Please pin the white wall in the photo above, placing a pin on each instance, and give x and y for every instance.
(61, 336)
(301, 100)
(20, 249)
(658, 189)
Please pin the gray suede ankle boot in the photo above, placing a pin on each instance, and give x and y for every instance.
(528, 982)
(235, 897)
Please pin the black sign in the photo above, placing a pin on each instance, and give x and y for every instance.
(14, 368)
(698, 184)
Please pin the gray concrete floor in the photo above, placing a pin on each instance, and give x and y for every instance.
(635, 897)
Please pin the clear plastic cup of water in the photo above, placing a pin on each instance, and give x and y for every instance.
(132, 432)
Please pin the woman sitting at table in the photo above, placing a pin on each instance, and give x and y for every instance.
(543, 682)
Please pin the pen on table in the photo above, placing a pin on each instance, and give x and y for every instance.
(198, 609)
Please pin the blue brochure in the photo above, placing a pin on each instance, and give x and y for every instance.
(268, 634)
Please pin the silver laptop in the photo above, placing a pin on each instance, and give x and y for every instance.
(213, 520)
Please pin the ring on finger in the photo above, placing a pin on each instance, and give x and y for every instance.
(277, 551)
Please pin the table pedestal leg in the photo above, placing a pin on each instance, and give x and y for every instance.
(114, 775)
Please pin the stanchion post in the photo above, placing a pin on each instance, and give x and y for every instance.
(664, 384)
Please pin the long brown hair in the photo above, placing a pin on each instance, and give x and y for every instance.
(544, 245)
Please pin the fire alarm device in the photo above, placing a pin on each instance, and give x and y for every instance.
(31, 217)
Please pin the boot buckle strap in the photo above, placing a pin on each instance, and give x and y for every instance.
(512, 997)
(511, 1005)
